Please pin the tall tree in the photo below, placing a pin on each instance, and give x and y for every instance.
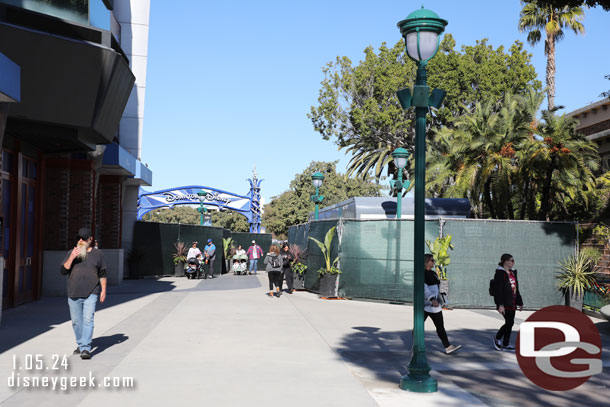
(294, 206)
(358, 108)
(566, 161)
(511, 166)
(481, 152)
(536, 17)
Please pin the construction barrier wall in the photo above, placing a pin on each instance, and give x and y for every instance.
(156, 242)
(376, 257)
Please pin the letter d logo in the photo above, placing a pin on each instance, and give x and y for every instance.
(559, 348)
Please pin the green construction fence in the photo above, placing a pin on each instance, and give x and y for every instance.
(376, 257)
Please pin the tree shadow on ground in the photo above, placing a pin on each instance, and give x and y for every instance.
(492, 376)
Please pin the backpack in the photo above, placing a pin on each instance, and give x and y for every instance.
(276, 262)
(492, 288)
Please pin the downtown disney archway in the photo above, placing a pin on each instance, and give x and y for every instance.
(248, 206)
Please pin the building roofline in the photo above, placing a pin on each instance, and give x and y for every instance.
(590, 107)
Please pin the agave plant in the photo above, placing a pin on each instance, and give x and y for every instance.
(576, 275)
(329, 265)
(179, 255)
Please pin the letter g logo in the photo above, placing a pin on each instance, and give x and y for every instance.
(554, 345)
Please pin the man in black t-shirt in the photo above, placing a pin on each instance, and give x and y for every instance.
(86, 272)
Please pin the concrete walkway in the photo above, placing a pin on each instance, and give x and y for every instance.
(223, 342)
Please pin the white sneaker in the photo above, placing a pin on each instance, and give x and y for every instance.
(497, 343)
(452, 348)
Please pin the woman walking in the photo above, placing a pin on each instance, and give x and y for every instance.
(273, 266)
(507, 298)
(433, 304)
(287, 259)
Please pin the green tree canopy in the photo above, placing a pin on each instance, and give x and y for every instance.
(233, 221)
(605, 4)
(188, 215)
(358, 108)
(182, 214)
(293, 206)
(512, 166)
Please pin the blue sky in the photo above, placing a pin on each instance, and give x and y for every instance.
(229, 84)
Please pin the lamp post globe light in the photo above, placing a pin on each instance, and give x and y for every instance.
(400, 156)
(316, 179)
(421, 30)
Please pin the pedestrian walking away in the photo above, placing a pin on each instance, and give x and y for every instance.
(254, 253)
(86, 271)
(210, 255)
(433, 305)
(273, 266)
(507, 298)
(287, 259)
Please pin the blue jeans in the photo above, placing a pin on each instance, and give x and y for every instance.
(81, 313)
(253, 265)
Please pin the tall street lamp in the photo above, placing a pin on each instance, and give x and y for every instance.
(400, 161)
(421, 31)
(201, 208)
(316, 179)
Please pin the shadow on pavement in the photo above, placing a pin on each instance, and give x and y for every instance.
(102, 343)
(27, 321)
(492, 376)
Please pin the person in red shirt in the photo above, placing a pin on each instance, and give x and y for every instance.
(254, 253)
(507, 298)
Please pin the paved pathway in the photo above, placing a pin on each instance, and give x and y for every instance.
(223, 342)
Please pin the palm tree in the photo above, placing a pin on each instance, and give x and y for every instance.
(566, 162)
(481, 152)
(534, 18)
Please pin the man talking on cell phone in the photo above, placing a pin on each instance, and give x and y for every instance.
(86, 272)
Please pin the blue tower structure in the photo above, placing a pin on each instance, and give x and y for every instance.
(255, 202)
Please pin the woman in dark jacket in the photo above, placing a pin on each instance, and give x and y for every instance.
(273, 266)
(287, 259)
(507, 298)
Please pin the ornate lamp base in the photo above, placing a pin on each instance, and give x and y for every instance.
(419, 384)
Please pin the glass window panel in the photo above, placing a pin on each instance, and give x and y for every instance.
(32, 169)
(7, 161)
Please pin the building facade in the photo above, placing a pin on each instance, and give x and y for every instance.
(71, 143)
(594, 123)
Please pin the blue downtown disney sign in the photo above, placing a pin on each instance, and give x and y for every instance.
(249, 205)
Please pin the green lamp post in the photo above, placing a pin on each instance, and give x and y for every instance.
(400, 161)
(202, 210)
(317, 178)
(421, 31)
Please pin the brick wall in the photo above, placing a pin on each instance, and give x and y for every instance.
(108, 213)
(69, 198)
